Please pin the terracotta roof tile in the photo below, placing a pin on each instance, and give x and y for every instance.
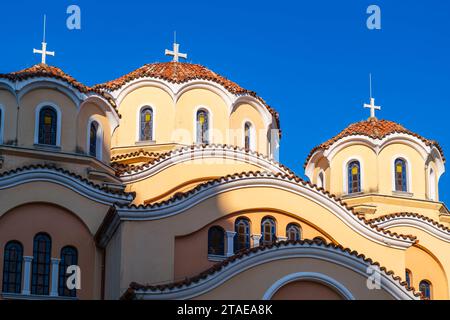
(393, 216)
(46, 71)
(130, 293)
(177, 72)
(375, 129)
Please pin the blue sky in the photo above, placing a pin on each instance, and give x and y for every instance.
(310, 60)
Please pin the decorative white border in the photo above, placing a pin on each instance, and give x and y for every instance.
(345, 173)
(58, 122)
(138, 122)
(100, 133)
(408, 173)
(291, 251)
(149, 213)
(311, 276)
(65, 180)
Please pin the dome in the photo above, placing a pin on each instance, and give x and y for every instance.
(375, 129)
(178, 73)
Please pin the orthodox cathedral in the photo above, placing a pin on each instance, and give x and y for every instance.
(164, 184)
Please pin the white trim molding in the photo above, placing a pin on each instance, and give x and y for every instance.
(39, 107)
(264, 180)
(309, 276)
(284, 252)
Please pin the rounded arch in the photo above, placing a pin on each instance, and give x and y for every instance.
(345, 172)
(309, 276)
(257, 105)
(35, 84)
(210, 122)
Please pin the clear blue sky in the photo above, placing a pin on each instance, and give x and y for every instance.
(309, 59)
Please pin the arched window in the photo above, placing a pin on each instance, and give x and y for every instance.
(202, 127)
(401, 183)
(425, 289)
(408, 275)
(320, 240)
(248, 136)
(216, 241)
(293, 232)
(146, 130)
(321, 180)
(268, 231)
(12, 267)
(354, 177)
(94, 139)
(432, 185)
(69, 257)
(242, 229)
(40, 279)
(48, 118)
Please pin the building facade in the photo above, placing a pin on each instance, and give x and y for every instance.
(163, 184)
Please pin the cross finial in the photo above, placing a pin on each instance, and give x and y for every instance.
(43, 52)
(372, 105)
(176, 51)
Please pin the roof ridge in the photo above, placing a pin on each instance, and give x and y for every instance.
(410, 214)
(68, 173)
(181, 196)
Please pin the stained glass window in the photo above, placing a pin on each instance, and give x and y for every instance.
(40, 278)
(12, 267)
(69, 257)
(354, 177)
(47, 126)
(242, 229)
(425, 289)
(146, 124)
(400, 175)
(216, 241)
(202, 127)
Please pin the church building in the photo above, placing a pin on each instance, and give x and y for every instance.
(164, 184)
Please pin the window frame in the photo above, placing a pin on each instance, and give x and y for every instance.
(221, 251)
(37, 124)
(273, 233)
(139, 137)
(99, 142)
(63, 276)
(17, 273)
(35, 274)
(247, 234)
(299, 230)
(430, 288)
(210, 125)
(350, 191)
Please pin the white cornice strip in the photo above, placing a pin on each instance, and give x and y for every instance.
(67, 181)
(200, 153)
(265, 180)
(291, 251)
(414, 222)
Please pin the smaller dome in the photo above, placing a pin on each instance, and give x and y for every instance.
(375, 129)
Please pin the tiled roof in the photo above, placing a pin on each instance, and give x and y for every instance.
(123, 169)
(177, 72)
(67, 173)
(409, 215)
(46, 71)
(129, 294)
(375, 129)
(180, 196)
